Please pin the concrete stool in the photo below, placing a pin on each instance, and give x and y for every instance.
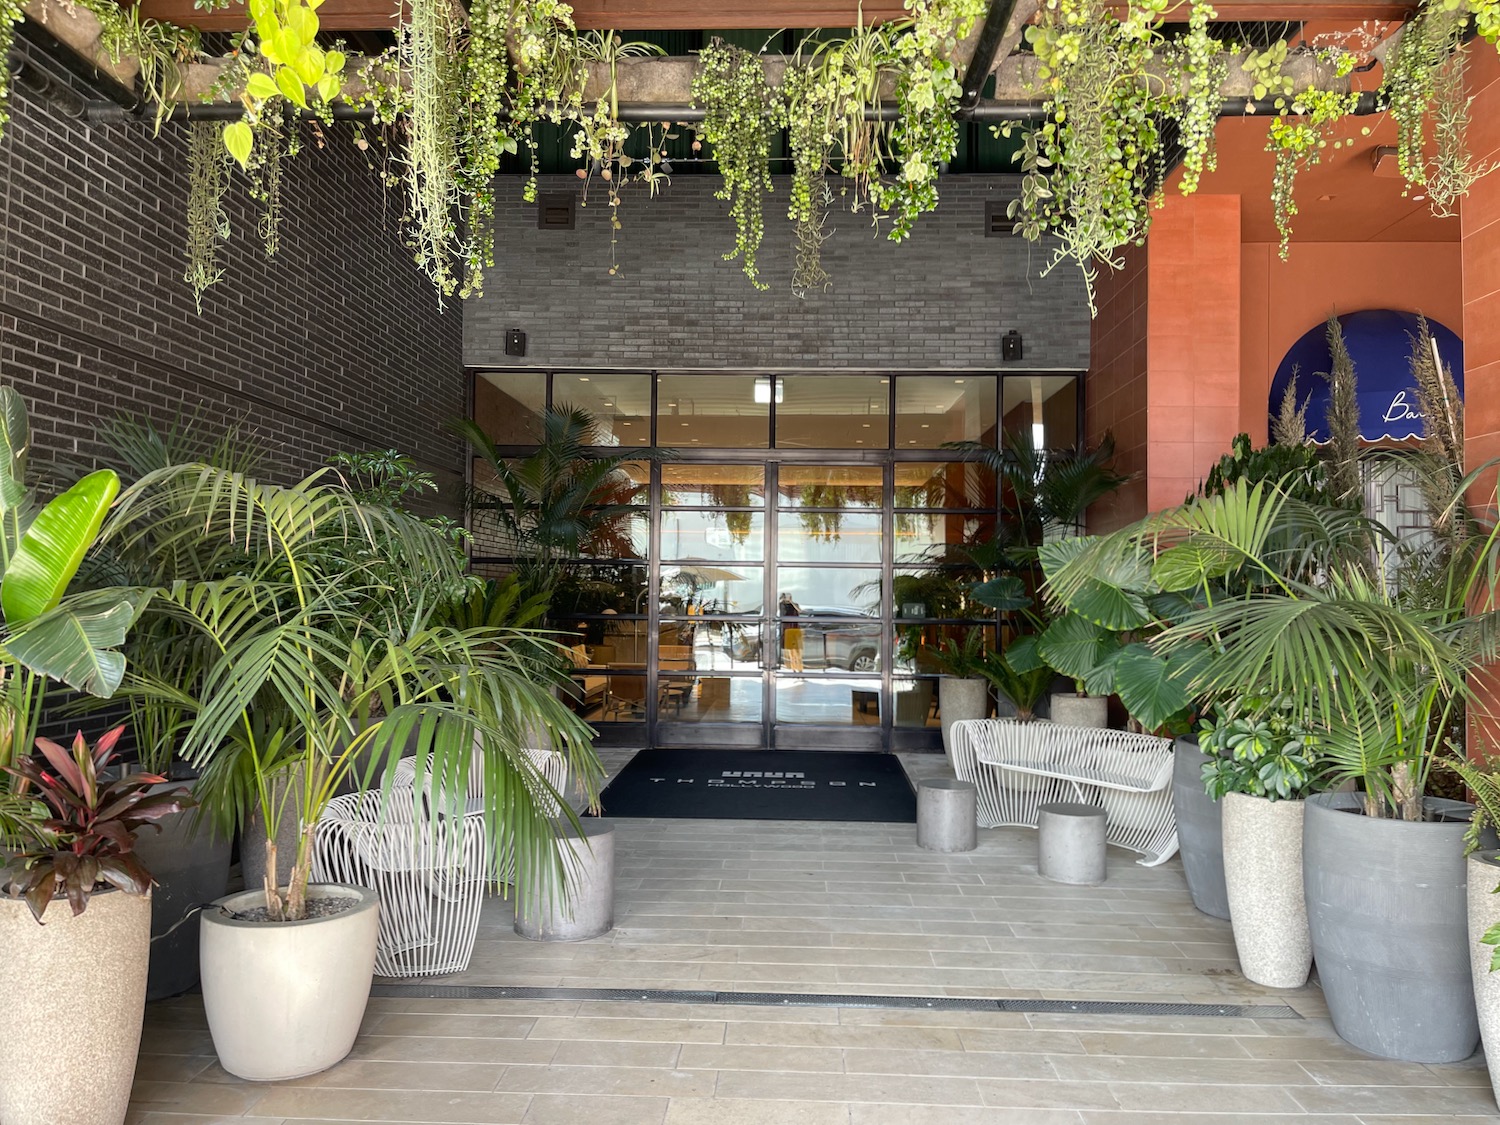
(946, 820)
(1070, 843)
(587, 907)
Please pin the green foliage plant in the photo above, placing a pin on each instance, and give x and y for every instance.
(1019, 674)
(326, 643)
(85, 838)
(964, 658)
(1298, 136)
(1258, 749)
(11, 14)
(1481, 776)
(1294, 468)
(740, 116)
(207, 220)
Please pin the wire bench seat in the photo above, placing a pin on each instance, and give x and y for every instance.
(1018, 767)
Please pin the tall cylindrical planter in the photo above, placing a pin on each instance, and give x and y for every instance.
(960, 699)
(1484, 912)
(1263, 877)
(1073, 710)
(75, 992)
(1387, 908)
(1200, 832)
(585, 907)
(191, 866)
(285, 999)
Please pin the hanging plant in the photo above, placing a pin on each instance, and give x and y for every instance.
(276, 137)
(740, 115)
(429, 53)
(162, 51)
(924, 136)
(207, 220)
(484, 146)
(1299, 134)
(1199, 58)
(1453, 170)
(10, 15)
(283, 61)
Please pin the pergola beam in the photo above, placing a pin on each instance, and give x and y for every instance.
(716, 15)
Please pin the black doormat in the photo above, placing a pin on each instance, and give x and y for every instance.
(762, 785)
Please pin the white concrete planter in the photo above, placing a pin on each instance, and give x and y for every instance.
(959, 700)
(285, 999)
(1075, 710)
(1484, 912)
(1263, 876)
(75, 992)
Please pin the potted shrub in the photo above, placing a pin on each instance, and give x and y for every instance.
(1300, 609)
(963, 690)
(1020, 676)
(1261, 764)
(329, 646)
(74, 900)
(1483, 895)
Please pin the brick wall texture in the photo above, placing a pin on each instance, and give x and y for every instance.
(335, 344)
(941, 299)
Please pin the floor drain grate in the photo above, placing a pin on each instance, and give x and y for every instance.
(834, 1000)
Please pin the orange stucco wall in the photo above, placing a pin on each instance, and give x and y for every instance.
(1481, 269)
(1282, 300)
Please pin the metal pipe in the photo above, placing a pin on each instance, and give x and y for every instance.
(996, 23)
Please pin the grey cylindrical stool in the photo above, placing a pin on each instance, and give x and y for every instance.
(946, 815)
(587, 909)
(1070, 843)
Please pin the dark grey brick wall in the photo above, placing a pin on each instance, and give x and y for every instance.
(335, 344)
(942, 299)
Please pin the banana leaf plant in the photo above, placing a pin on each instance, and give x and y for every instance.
(52, 632)
(326, 641)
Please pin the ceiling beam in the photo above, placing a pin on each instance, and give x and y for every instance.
(716, 15)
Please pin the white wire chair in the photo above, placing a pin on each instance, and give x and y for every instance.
(430, 869)
(1018, 767)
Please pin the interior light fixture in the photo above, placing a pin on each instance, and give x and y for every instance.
(583, 378)
(958, 380)
(763, 389)
(1038, 429)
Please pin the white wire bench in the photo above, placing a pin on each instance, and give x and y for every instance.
(1018, 767)
(429, 869)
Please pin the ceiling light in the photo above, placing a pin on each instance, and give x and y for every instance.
(627, 423)
(866, 425)
(958, 380)
(763, 389)
(912, 441)
(925, 426)
(583, 378)
(859, 441)
(684, 424)
(1038, 436)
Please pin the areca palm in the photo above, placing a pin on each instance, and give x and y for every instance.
(1264, 596)
(321, 644)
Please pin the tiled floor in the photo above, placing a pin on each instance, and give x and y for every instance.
(849, 909)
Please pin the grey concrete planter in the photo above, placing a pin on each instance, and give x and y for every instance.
(586, 907)
(1263, 877)
(1387, 908)
(1074, 710)
(1484, 912)
(1200, 835)
(285, 999)
(961, 699)
(75, 992)
(191, 866)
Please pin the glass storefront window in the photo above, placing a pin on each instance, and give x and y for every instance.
(713, 486)
(823, 589)
(840, 537)
(584, 590)
(691, 589)
(831, 411)
(829, 486)
(1044, 406)
(710, 699)
(622, 535)
(712, 412)
(928, 537)
(932, 410)
(935, 592)
(722, 536)
(620, 404)
(943, 484)
(916, 703)
(847, 701)
(508, 407)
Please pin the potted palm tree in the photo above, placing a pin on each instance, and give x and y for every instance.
(963, 690)
(330, 644)
(1302, 606)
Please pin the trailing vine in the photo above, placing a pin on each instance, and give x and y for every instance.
(207, 220)
(1299, 134)
(428, 50)
(1199, 57)
(1454, 170)
(740, 115)
(276, 138)
(10, 15)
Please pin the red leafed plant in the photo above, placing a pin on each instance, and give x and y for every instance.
(87, 838)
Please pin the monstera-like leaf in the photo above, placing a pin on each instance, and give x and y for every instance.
(53, 547)
(1080, 650)
(1153, 688)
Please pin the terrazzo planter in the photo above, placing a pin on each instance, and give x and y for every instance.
(1263, 879)
(1074, 710)
(75, 993)
(285, 999)
(1200, 832)
(1387, 908)
(960, 700)
(1484, 912)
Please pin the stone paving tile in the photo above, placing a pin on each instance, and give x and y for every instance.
(756, 906)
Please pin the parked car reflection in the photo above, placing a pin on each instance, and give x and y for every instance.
(839, 637)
